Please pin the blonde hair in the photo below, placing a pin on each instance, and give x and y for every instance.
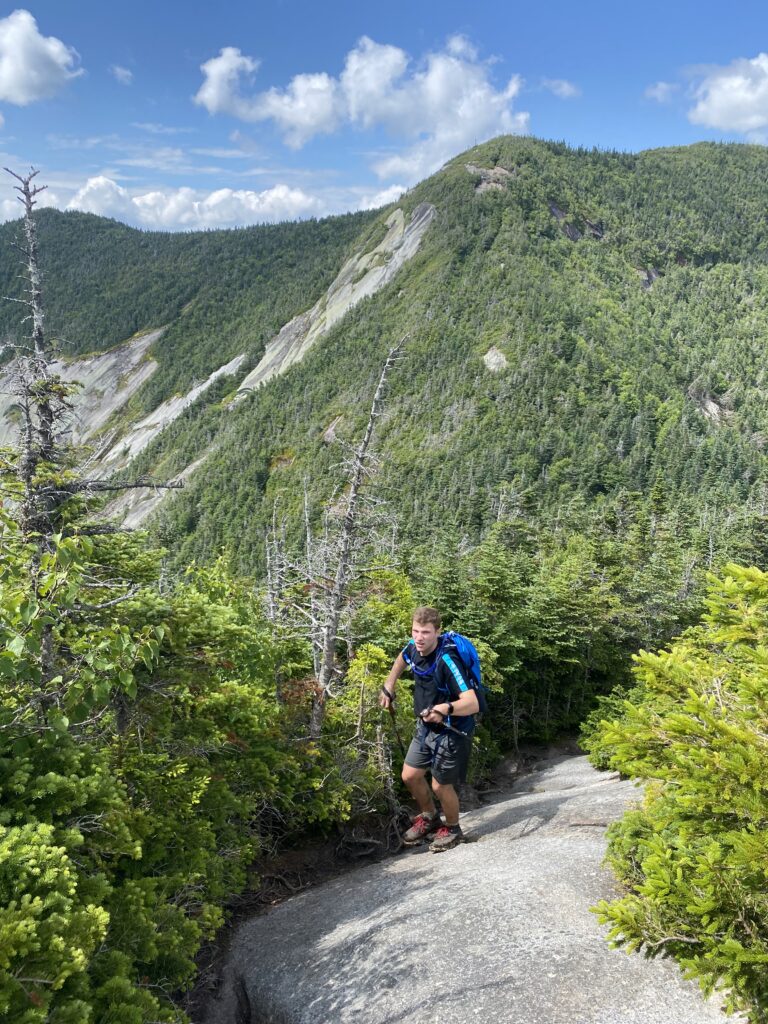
(427, 616)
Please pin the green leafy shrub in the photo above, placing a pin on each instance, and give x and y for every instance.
(143, 764)
(694, 855)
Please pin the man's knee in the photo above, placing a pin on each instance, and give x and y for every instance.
(411, 774)
(441, 787)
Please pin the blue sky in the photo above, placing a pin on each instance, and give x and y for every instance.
(184, 115)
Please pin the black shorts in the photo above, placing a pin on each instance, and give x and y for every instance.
(444, 754)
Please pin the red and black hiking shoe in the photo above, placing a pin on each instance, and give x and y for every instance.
(446, 837)
(422, 826)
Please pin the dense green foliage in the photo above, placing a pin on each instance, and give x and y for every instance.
(138, 781)
(563, 511)
(611, 387)
(694, 855)
(219, 292)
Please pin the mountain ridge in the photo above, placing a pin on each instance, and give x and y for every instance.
(626, 294)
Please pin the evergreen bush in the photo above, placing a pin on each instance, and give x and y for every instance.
(694, 854)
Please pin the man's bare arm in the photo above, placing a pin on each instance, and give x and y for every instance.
(467, 704)
(390, 683)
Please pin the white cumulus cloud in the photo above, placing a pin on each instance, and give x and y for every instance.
(561, 87)
(32, 66)
(220, 92)
(662, 92)
(105, 197)
(311, 105)
(175, 209)
(123, 75)
(440, 106)
(460, 46)
(734, 98)
(383, 198)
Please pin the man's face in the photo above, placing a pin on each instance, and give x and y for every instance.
(424, 637)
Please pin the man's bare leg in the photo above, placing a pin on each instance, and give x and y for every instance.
(449, 801)
(415, 780)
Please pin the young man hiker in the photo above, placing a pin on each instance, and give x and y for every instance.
(445, 703)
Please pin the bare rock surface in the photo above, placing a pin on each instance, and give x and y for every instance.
(361, 276)
(491, 178)
(147, 429)
(497, 930)
(108, 380)
(495, 360)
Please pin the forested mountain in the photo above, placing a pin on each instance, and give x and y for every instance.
(572, 439)
(627, 296)
(623, 298)
(219, 292)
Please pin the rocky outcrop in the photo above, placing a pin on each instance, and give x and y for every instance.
(495, 360)
(139, 436)
(135, 505)
(715, 411)
(108, 380)
(594, 229)
(491, 178)
(647, 276)
(361, 276)
(497, 930)
(329, 434)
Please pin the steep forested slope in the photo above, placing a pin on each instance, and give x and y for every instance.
(623, 297)
(629, 298)
(220, 292)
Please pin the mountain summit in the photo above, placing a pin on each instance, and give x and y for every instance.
(583, 324)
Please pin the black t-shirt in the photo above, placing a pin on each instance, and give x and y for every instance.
(447, 681)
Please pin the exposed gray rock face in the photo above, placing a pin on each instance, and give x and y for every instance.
(556, 212)
(495, 360)
(491, 178)
(361, 276)
(648, 276)
(134, 505)
(498, 930)
(715, 411)
(109, 379)
(329, 434)
(594, 229)
(147, 429)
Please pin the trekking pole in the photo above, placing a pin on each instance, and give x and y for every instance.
(445, 725)
(392, 715)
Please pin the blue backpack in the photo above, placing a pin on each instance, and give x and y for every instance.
(470, 659)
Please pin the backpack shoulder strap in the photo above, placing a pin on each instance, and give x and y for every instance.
(453, 668)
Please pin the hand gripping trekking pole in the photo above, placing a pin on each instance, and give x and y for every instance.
(444, 724)
(391, 707)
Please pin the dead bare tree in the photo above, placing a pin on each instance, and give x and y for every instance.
(41, 474)
(314, 590)
(344, 565)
